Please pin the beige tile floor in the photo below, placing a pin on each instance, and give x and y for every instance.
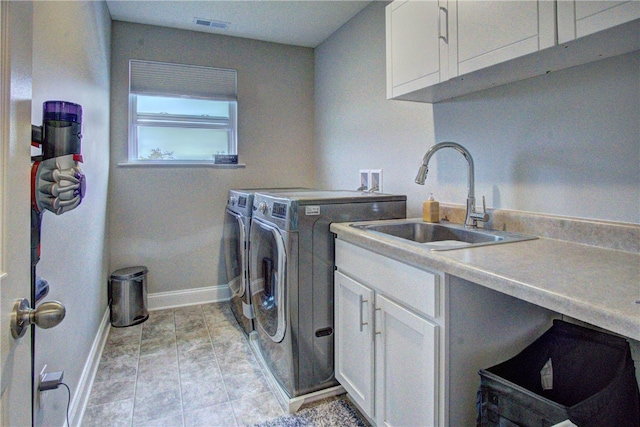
(189, 366)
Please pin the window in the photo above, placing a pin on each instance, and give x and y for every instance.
(181, 113)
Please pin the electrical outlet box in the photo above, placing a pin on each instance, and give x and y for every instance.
(371, 180)
(375, 180)
(41, 395)
(364, 180)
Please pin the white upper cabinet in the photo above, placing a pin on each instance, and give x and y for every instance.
(490, 32)
(579, 18)
(415, 51)
(439, 50)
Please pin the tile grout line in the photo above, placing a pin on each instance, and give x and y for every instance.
(135, 386)
(175, 337)
(224, 383)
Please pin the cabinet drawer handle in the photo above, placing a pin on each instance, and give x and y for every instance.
(446, 23)
(362, 301)
(378, 323)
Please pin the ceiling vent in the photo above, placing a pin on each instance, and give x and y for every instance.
(221, 25)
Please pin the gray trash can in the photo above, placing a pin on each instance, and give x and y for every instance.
(128, 296)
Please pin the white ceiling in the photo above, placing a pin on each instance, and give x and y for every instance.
(301, 23)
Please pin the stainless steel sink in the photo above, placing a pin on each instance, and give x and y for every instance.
(441, 236)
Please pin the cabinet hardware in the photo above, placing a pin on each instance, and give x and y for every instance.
(362, 301)
(446, 23)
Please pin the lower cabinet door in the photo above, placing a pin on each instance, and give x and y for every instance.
(354, 341)
(406, 367)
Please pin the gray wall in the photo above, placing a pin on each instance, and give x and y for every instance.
(71, 42)
(170, 218)
(567, 143)
(355, 126)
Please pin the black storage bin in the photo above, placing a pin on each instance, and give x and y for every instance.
(593, 382)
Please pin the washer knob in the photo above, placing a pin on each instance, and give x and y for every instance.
(232, 200)
(263, 207)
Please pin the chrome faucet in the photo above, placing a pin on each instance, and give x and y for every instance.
(472, 216)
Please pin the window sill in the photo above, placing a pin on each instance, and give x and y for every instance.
(161, 164)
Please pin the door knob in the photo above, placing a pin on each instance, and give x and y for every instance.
(46, 315)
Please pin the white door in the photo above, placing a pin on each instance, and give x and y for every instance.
(354, 340)
(406, 367)
(15, 137)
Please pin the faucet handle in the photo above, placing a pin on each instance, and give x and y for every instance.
(481, 216)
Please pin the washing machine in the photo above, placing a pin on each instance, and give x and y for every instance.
(291, 269)
(237, 221)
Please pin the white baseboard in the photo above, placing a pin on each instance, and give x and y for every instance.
(83, 391)
(172, 299)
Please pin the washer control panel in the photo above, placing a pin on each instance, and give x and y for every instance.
(279, 210)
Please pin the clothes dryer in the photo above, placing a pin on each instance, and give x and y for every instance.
(291, 268)
(237, 220)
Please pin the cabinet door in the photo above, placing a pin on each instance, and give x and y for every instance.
(580, 18)
(491, 32)
(414, 46)
(406, 367)
(354, 340)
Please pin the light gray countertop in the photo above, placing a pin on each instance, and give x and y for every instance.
(595, 285)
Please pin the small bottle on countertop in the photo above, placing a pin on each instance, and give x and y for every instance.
(430, 210)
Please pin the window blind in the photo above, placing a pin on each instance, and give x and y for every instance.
(162, 78)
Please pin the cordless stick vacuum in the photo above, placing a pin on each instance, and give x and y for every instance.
(57, 185)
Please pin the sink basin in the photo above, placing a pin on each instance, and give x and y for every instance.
(441, 236)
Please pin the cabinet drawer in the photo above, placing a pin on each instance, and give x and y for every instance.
(410, 286)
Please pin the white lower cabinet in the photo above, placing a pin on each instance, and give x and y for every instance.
(354, 349)
(406, 367)
(387, 350)
(410, 341)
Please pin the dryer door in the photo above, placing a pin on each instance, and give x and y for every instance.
(267, 269)
(234, 241)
